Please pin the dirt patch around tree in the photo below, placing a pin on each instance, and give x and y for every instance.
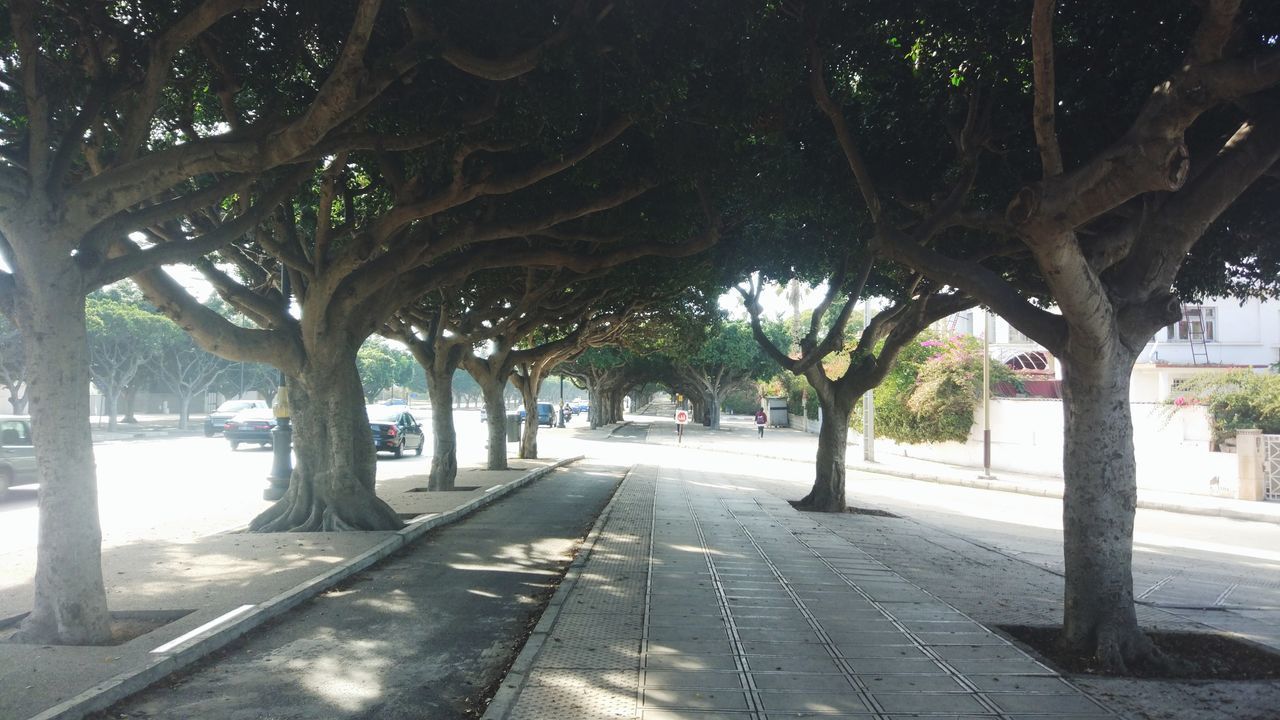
(1194, 656)
(125, 625)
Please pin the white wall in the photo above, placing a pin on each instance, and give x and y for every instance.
(1026, 437)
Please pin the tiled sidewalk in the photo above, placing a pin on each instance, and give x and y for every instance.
(703, 602)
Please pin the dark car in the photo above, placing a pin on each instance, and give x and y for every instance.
(17, 454)
(546, 414)
(250, 426)
(394, 430)
(215, 420)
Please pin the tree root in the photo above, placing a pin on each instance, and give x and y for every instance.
(303, 510)
(1126, 652)
(812, 503)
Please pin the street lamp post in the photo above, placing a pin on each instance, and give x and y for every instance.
(868, 405)
(560, 410)
(986, 395)
(282, 435)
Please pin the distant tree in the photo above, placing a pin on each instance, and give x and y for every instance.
(382, 367)
(122, 337)
(13, 365)
(465, 387)
(728, 357)
(186, 370)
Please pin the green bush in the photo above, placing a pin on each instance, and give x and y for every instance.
(1236, 400)
(931, 392)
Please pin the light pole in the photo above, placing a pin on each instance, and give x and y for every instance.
(560, 410)
(282, 435)
(986, 395)
(868, 405)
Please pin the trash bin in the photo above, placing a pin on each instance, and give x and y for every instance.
(513, 427)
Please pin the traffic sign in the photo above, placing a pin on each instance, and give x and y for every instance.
(682, 417)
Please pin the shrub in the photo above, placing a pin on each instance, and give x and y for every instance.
(931, 392)
(1236, 400)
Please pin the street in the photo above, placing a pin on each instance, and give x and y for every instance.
(181, 488)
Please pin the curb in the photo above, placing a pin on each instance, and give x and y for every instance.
(619, 426)
(513, 682)
(113, 690)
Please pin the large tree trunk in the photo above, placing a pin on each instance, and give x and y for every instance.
(444, 453)
(18, 402)
(70, 605)
(184, 411)
(1098, 505)
(332, 486)
(130, 400)
(496, 407)
(111, 398)
(529, 387)
(828, 492)
(713, 405)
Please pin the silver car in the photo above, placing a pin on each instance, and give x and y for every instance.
(17, 454)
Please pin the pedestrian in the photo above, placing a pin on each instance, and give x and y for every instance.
(761, 419)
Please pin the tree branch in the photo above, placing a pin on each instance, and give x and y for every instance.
(22, 16)
(179, 35)
(1043, 81)
(848, 143)
(494, 69)
(983, 284)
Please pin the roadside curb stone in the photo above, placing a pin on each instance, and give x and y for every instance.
(115, 689)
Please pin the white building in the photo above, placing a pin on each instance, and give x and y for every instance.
(1218, 335)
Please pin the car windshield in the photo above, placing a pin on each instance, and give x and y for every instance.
(379, 413)
(253, 414)
(231, 406)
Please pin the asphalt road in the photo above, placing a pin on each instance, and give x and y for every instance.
(422, 635)
(182, 488)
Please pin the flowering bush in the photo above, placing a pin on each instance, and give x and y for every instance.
(931, 393)
(1236, 400)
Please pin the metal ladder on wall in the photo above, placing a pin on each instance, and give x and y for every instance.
(1193, 316)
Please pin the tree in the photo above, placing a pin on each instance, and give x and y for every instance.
(419, 194)
(121, 117)
(13, 366)
(729, 356)
(1109, 226)
(912, 309)
(186, 370)
(382, 367)
(122, 338)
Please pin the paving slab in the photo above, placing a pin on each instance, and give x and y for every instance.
(753, 610)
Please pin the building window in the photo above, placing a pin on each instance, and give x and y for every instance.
(1197, 324)
(1016, 336)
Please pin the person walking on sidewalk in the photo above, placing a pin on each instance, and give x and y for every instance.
(761, 419)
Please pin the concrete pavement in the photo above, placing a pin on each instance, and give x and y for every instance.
(214, 590)
(701, 599)
(737, 435)
(701, 594)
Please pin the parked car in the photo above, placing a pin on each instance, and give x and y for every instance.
(546, 414)
(579, 406)
(250, 426)
(395, 401)
(17, 454)
(214, 421)
(394, 430)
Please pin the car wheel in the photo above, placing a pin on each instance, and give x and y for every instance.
(235, 444)
(6, 479)
(208, 432)
(418, 450)
(399, 450)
